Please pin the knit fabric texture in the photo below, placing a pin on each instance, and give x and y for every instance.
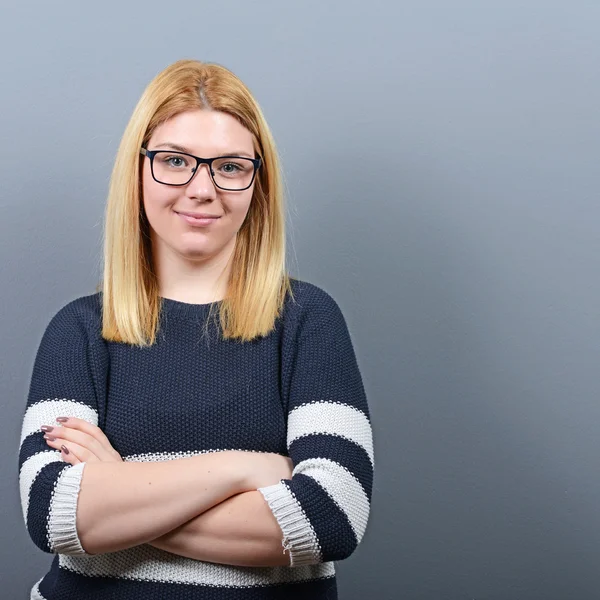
(297, 392)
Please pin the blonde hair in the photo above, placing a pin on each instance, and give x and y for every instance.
(258, 282)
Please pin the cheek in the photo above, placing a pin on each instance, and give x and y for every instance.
(242, 206)
(156, 200)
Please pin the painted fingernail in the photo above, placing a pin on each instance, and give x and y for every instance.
(49, 437)
(64, 449)
(62, 419)
(46, 428)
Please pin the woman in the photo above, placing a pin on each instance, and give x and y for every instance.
(198, 428)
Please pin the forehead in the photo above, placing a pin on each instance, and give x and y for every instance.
(204, 132)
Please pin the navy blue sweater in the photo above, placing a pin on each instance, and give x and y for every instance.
(297, 392)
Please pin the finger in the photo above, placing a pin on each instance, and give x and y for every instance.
(80, 453)
(86, 427)
(69, 456)
(82, 439)
(74, 423)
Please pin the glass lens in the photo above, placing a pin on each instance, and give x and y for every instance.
(176, 169)
(233, 173)
(173, 168)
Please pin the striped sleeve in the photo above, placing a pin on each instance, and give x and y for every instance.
(61, 384)
(323, 509)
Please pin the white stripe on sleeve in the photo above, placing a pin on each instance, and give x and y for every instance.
(331, 418)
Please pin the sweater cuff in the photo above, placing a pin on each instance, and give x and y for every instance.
(62, 529)
(298, 535)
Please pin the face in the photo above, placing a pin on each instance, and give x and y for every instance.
(207, 134)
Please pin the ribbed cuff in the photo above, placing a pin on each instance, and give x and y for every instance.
(298, 535)
(62, 530)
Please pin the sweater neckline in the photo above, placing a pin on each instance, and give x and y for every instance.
(185, 309)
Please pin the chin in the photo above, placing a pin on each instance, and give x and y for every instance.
(194, 253)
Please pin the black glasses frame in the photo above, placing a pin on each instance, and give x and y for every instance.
(257, 162)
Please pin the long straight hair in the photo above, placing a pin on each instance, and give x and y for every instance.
(258, 282)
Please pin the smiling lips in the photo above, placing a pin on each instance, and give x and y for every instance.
(201, 219)
(199, 215)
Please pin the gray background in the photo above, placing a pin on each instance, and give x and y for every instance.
(441, 163)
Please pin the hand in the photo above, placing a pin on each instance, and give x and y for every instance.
(262, 469)
(83, 441)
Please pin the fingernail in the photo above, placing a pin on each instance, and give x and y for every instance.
(62, 419)
(49, 437)
(46, 428)
(64, 449)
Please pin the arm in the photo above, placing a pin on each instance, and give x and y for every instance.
(125, 504)
(61, 383)
(240, 531)
(324, 508)
(109, 506)
(88, 443)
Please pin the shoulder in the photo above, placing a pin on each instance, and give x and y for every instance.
(80, 317)
(309, 303)
(308, 295)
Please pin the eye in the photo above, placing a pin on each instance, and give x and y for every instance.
(230, 168)
(175, 161)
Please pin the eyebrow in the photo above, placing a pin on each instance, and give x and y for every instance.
(179, 148)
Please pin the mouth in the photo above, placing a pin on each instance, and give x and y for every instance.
(200, 220)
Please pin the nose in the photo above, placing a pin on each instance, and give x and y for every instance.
(201, 185)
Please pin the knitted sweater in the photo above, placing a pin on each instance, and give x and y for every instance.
(297, 392)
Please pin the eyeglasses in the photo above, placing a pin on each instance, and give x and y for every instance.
(232, 173)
